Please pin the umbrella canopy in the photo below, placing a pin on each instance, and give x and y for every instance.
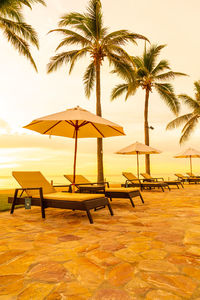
(189, 153)
(137, 149)
(75, 123)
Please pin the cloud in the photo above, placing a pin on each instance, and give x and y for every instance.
(4, 127)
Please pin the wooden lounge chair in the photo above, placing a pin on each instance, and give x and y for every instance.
(149, 178)
(188, 179)
(43, 194)
(86, 186)
(132, 180)
(192, 175)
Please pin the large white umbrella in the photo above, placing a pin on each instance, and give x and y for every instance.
(137, 149)
(75, 123)
(189, 153)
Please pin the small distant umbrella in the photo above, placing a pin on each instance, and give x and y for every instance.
(189, 153)
(137, 149)
(75, 123)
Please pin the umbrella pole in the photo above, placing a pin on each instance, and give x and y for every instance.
(138, 165)
(190, 164)
(75, 155)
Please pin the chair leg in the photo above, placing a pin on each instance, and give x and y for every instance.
(141, 197)
(89, 216)
(110, 209)
(177, 185)
(14, 201)
(168, 187)
(42, 204)
(162, 188)
(131, 200)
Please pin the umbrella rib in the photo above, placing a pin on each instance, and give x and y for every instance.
(36, 122)
(84, 123)
(70, 122)
(116, 130)
(52, 127)
(96, 129)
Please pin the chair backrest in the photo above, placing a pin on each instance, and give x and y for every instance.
(33, 180)
(131, 177)
(78, 180)
(190, 174)
(179, 175)
(146, 175)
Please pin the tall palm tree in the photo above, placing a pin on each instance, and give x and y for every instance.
(15, 29)
(147, 73)
(88, 33)
(189, 120)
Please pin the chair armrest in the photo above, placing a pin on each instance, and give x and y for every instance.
(62, 185)
(93, 183)
(28, 189)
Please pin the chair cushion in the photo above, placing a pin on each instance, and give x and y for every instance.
(79, 179)
(121, 189)
(33, 180)
(71, 196)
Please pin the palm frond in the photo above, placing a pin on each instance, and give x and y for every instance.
(59, 59)
(188, 129)
(72, 38)
(20, 44)
(197, 87)
(169, 75)
(125, 71)
(19, 28)
(82, 52)
(178, 121)
(190, 102)
(94, 18)
(72, 18)
(89, 79)
(160, 67)
(166, 91)
(150, 56)
(119, 90)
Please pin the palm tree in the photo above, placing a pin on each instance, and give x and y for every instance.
(146, 73)
(15, 29)
(87, 31)
(189, 120)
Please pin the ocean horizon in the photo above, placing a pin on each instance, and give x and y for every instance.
(8, 182)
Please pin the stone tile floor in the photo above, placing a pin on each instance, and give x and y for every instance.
(149, 252)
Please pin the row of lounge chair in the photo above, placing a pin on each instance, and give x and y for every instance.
(89, 195)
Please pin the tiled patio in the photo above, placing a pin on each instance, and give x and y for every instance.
(150, 252)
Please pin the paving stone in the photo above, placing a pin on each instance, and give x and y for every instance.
(120, 275)
(49, 272)
(35, 291)
(17, 266)
(157, 266)
(161, 295)
(111, 294)
(182, 285)
(88, 273)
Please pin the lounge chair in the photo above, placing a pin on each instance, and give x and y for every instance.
(188, 179)
(132, 180)
(86, 186)
(43, 194)
(192, 175)
(149, 178)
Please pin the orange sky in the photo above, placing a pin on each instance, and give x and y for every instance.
(26, 95)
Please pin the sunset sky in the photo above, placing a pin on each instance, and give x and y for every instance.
(26, 95)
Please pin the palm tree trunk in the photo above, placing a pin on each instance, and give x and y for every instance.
(100, 175)
(146, 130)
